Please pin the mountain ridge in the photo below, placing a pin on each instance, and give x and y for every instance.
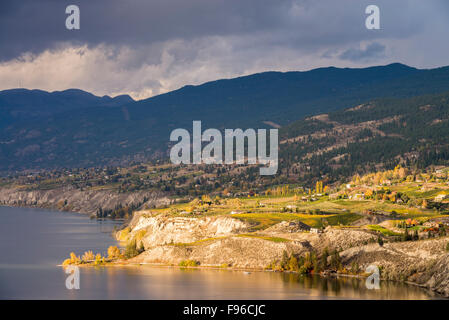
(94, 134)
(31, 104)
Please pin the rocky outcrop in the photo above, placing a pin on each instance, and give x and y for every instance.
(437, 276)
(224, 240)
(166, 229)
(288, 227)
(424, 262)
(236, 252)
(76, 200)
(332, 238)
(217, 240)
(213, 240)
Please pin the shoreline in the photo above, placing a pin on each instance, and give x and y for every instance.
(251, 270)
(84, 201)
(206, 267)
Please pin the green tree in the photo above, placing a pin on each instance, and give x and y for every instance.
(380, 241)
(141, 248)
(406, 236)
(335, 260)
(354, 267)
(415, 235)
(323, 259)
(284, 260)
(131, 249)
(114, 252)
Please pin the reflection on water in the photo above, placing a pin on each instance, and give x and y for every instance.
(146, 282)
(354, 288)
(34, 241)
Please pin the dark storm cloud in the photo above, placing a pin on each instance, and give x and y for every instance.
(33, 26)
(148, 47)
(30, 25)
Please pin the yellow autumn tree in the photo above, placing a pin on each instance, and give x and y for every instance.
(88, 256)
(424, 204)
(377, 178)
(114, 252)
(98, 259)
(318, 186)
(392, 197)
(72, 260)
(403, 172)
(206, 199)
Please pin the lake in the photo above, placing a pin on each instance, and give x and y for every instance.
(34, 241)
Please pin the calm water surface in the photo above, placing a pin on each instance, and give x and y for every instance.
(34, 241)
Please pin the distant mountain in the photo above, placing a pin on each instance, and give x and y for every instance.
(96, 134)
(22, 104)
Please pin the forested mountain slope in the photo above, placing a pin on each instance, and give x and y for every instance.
(86, 131)
(380, 133)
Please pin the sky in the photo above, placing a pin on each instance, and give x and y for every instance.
(148, 47)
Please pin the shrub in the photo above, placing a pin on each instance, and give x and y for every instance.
(380, 241)
(189, 263)
(302, 270)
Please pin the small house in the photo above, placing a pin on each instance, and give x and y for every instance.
(358, 196)
(441, 197)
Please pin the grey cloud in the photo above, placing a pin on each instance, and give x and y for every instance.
(34, 26)
(30, 25)
(146, 47)
(373, 51)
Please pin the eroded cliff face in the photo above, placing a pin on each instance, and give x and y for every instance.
(70, 199)
(225, 240)
(154, 230)
(232, 251)
(437, 276)
(213, 241)
(423, 262)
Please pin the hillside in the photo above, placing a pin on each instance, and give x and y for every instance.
(92, 136)
(373, 135)
(396, 219)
